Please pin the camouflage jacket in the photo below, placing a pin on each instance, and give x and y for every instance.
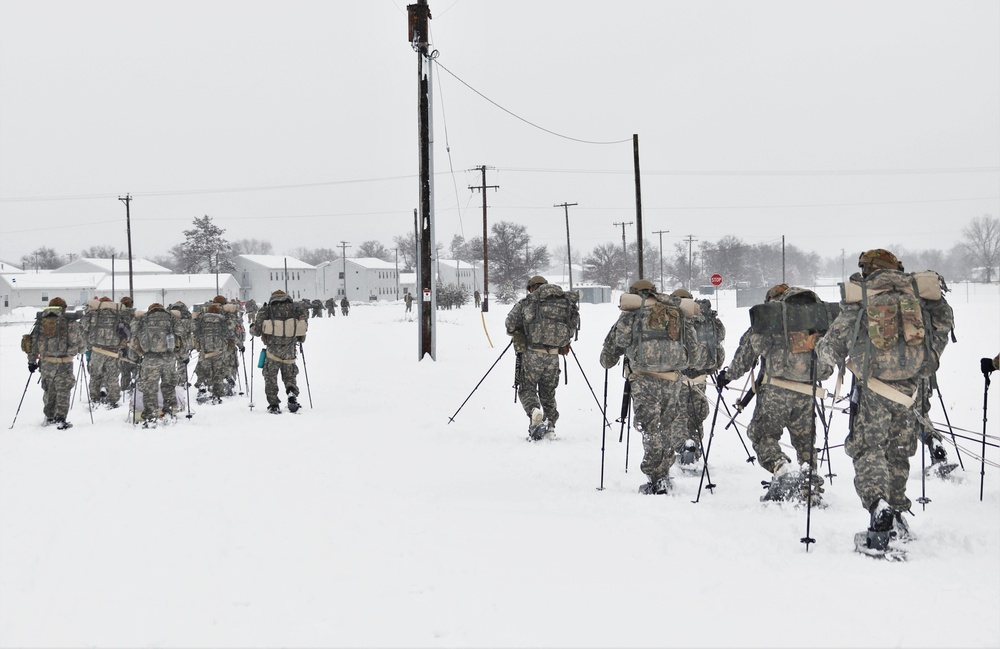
(55, 335)
(659, 353)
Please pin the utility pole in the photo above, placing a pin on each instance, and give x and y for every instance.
(396, 250)
(486, 262)
(343, 255)
(843, 277)
(128, 231)
(690, 240)
(638, 203)
(782, 259)
(569, 255)
(661, 233)
(624, 253)
(418, 16)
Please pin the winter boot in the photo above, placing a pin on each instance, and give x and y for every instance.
(538, 426)
(900, 528)
(785, 484)
(293, 403)
(62, 424)
(658, 487)
(274, 410)
(880, 528)
(690, 453)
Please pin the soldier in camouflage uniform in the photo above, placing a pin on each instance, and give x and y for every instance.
(251, 309)
(157, 336)
(652, 338)
(213, 337)
(281, 325)
(317, 309)
(128, 361)
(106, 334)
(537, 364)
(884, 425)
(51, 346)
(186, 323)
(784, 400)
(345, 306)
(331, 307)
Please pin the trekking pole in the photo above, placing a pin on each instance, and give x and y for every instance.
(243, 359)
(812, 452)
(187, 385)
(587, 381)
(86, 382)
(518, 360)
(747, 397)
(452, 418)
(305, 370)
(72, 397)
(239, 381)
(135, 389)
(982, 464)
(958, 453)
(251, 373)
(604, 426)
(923, 499)
(28, 382)
(708, 449)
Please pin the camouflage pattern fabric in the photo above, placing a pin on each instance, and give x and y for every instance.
(158, 372)
(331, 306)
(659, 407)
(104, 373)
(777, 409)
(690, 424)
(538, 382)
(212, 372)
(57, 386)
(285, 351)
(54, 357)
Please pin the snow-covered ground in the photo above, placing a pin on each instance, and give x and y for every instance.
(369, 520)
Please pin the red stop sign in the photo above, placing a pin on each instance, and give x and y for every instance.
(716, 280)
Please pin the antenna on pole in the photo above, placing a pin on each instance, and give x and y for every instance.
(569, 256)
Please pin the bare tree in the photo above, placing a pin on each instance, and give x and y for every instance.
(252, 247)
(605, 265)
(99, 252)
(374, 250)
(407, 246)
(42, 259)
(982, 243)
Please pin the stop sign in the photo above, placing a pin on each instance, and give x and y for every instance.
(716, 280)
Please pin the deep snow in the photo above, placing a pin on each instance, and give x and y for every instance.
(370, 520)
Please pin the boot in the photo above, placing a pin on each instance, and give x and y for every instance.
(293, 403)
(880, 528)
(274, 410)
(690, 452)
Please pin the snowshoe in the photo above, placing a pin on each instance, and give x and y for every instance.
(901, 529)
(865, 544)
(293, 404)
(274, 410)
(658, 487)
(941, 470)
(689, 455)
(538, 431)
(62, 424)
(785, 485)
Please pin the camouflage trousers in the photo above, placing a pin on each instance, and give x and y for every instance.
(280, 358)
(883, 437)
(57, 387)
(662, 417)
(104, 373)
(211, 372)
(693, 418)
(778, 408)
(536, 387)
(129, 369)
(158, 372)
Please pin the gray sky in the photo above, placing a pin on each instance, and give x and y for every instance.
(846, 125)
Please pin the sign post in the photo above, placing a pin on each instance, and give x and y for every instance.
(716, 280)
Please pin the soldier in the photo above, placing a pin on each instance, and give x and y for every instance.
(186, 322)
(51, 346)
(656, 340)
(251, 309)
(785, 395)
(281, 324)
(331, 307)
(317, 309)
(345, 306)
(128, 361)
(475, 296)
(541, 325)
(892, 328)
(106, 335)
(213, 338)
(157, 336)
(408, 300)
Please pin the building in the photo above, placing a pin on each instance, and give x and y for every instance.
(117, 266)
(261, 275)
(368, 279)
(167, 289)
(461, 273)
(36, 289)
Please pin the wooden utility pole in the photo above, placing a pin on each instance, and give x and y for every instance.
(690, 240)
(128, 232)
(661, 233)
(418, 16)
(343, 255)
(638, 204)
(569, 255)
(624, 253)
(486, 254)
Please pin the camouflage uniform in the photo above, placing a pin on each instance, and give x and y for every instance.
(883, 433)
(331, 308)
(251, 309)
(281, 350)
(158, 360)
(408, 300)
(213, 338)
(106, 334)
(664, 401)
(53, 343)
(128, 362)
(345, 306)
(317, 309)
(238, 335)
(185, 322)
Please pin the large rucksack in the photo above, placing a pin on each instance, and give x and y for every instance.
(104, 325)
(551, 316)
(50, 335)
(893, 339)
(282, 319)
(787, 326)
(663, 337)
(156, 332)
(708, 351)
(211, 334)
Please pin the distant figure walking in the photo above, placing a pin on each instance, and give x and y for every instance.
(345, 306)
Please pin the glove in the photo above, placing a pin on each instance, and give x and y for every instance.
(564, 350)
(938, 452)
(32, 366)
(185, 359)
(241, 348)
(721, 380)
(986, 365)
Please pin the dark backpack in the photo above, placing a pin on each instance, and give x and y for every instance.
(106, 328)
(787, 326)
(708, 352)
(662, 336)
(210, 332)
(551, 316)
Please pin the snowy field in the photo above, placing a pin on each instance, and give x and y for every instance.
(368, 520)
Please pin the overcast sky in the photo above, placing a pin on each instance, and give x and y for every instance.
(845, 125)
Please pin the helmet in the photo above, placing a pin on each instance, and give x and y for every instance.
(775, 292)
(278, 292)
(681, 292)
(878, 259)
(155, 305)
(105, 299)
(126, 302)
(220, 299)
(537, 280)
(58, 301)
(178, 304)
(640, 285)
(213, 308)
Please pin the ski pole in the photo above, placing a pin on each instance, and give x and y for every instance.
(86, 382)
(251, 372)
(187, 385)
(518, 360)
(452, 418)
(243, 359)
(587, 381)
(72, 397)
(732, 420)
(305, 370)
(982, 464)
(604, 426)
(708, 449)
(923, 499)
(812, 451)
(28, 382)
(958, 454)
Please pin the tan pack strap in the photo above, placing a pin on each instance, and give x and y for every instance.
(885, 390)
(210, 354)
(698, 380)
(107, 352)
(287, 361)
(794, 386)
(544, 350)
(57, 359)
(669, 376)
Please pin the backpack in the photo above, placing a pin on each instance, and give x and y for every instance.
(50, 337)
(893, 336)
(282, 319)
(708, 350)
(211, 333)
(104, 325)
(787, 326)
(662, 336)
(551, 316)
(156, 332)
